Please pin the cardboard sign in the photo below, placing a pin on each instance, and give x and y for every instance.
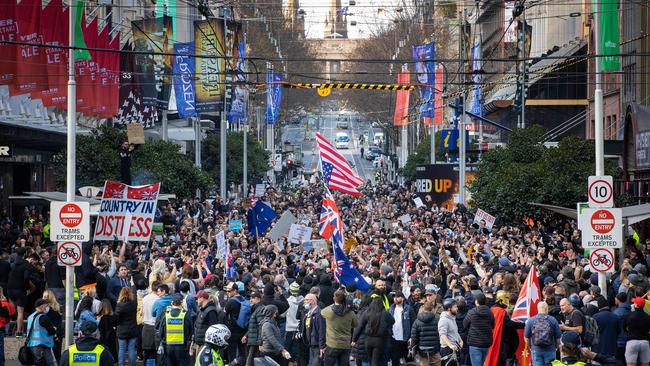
(282, 226)
(298, 234)
(482, 216)
(119, 202)
(221, 245)
(135, 133)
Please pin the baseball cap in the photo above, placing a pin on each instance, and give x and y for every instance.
(399, 294)
(88, 327)
(638, 302)
(204, 294)
(40, 302)
(177, 299)
(570, 337)
(256, 294)
(231, 286)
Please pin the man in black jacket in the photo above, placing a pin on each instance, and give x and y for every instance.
(312, 328)
(479, 322)
(253, 338)
(22, 275)
(425, 338)
(207, 316)
(54, 276)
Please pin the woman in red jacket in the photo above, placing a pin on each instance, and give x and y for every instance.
(7, 311)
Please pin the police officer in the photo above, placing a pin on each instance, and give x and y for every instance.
(573, 354)
(87, 350)
(175, 331)
(216, 342)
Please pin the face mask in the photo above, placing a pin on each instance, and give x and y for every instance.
(47, 309)
(307, 306)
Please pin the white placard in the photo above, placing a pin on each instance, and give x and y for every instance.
(484, 216)
(298, 234)
(282, 226)
(221, 245)
(418, 202)
(405, 219)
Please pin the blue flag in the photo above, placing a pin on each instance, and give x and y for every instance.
(260, 217)
(345, 271)
(425, 70)
(184, 79)
(477, 102)
(273, 96)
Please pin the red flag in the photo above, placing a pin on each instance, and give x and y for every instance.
(54, 28)
(87, 69)
(492, 358)
(31, 73)
(114, 76)
(100, 86)
(402, 100)
(8, 32)
(437, 99)
(525, 308)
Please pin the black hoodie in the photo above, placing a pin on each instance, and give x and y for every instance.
(88, 344)
(86, 273)
(326, 290)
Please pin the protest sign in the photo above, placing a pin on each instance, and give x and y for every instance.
(235, 225)
(418, 202)
(221, 245)
(282, 226)
(298, 234)
(405, 219)
(485, 217)
(135, 133)
(119, 202)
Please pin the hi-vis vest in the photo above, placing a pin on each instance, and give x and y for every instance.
(84, 358)
(39, 335)
(209, 357)
(384, 300)
(175, 327)
(560, 363)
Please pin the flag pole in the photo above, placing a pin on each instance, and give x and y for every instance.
(70, 166)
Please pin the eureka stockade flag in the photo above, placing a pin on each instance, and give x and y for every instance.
(126, 206)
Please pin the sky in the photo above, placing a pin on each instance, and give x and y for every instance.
(368, 14)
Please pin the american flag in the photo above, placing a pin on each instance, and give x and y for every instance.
(329, 217)
(337, 172)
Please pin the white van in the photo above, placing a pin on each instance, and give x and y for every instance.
(342, 140)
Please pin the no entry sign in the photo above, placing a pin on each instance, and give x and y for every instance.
(602, 228)
(68, 253)
(602, 260)
(70, 221)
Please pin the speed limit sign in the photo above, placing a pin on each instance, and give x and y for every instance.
(601, 191)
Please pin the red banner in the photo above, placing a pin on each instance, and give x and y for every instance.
(113, 75)
(402, 100)
(437, 99)
(31, 72)
(100, 84)
(54, 28)
(8, 32)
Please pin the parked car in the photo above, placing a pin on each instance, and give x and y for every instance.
(373, 152)
(342, 140)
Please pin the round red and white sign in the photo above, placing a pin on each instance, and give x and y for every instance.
(69, 253)
(602, 221)
(71, 215)
(602, 259)
(600, 191)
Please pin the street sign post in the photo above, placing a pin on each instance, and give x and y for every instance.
(602, 228)
(68, 253)
(70, 221)
(601, 191)
(602, 260)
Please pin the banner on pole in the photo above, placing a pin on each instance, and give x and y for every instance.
(184, 79)
(154, 36)
(239, 106)
(119, 201)
(425, 69)
(209, 40)
(273, 96)
(400, 118)
(609, 41)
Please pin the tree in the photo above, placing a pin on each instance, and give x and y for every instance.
(156, 161)
(422, 156)
(258, 158)
(525, 171)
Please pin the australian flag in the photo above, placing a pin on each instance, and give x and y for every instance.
(260, 217)
(345, 271)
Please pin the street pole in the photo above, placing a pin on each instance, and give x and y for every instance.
(222, 130)
(461, 121)
(404, 143)
(197, 142)
(598, 126)
(245, 168)
(165, 135)
(523, 70)
(71, 172)
(433, 141)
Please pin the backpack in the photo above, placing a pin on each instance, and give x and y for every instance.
(244, 312)
(542, 332)
(590, 333)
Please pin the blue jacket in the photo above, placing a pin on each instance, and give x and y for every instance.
(622, 311)
(408, 317)
(609, 326)
(114, 287)
(161, 305)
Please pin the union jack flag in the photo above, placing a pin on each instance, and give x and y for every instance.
(330, 219)
(529, 297)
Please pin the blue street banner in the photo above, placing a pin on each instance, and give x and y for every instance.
(239, 106)
(425, 70)
(184, 79)
(273, 96)
(477, 102)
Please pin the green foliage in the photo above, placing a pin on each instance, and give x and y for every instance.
(258, 158)
(422, 155)
(155, 161)
(525, 171)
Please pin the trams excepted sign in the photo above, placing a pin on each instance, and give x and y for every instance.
(602, 260)
(602, 228)
(68, 253)
(70, 221)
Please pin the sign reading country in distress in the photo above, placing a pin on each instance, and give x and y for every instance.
(122, 204)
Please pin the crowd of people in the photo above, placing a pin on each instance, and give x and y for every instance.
(442, 292)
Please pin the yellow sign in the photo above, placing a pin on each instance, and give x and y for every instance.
(324, 91)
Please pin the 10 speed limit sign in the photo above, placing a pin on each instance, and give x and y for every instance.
(601, 191)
